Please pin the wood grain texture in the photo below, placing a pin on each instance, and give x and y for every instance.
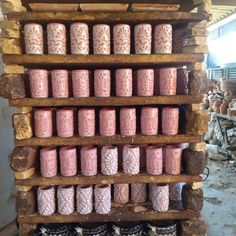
(103, 179)
(109, 101)
(116, 139)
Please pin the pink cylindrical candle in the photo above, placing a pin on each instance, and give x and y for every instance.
(84, 199)
(68, 161)
(33, 36)
(86, 122)
(131, 159)
(46, 200)
(48, 162)
(127, 121)
(88, 161)
(121, 39)
(102, 195)
(124, 82)
(65, 199)
(79, 38)
(109, 160)
(154, 160)
(173, 155)
(143, 39)
(107, 121)
(80, 82)
(65, 123)
(38, 83)
(170, 120)
(160, 199)
(163, 39)
(138, 192)
(145, 82)
(149, 120)
(168, 81)
(121, 193)
(43, 123)
(101, 39)
(60, 84)
(102, 83)
(56, 38)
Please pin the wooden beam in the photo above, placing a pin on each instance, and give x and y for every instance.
(224, 3)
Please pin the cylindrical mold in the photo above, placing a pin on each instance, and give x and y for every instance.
(154, 159)
(68, 161)
(173, 156)
(48, 162)
(131, 159)
(102, 195)
(60, 84)
(33, 36)
(121, 193)
(168, 81)
(65, 123)
(107, 122)
(127, 121)
(88, 161)
(121, 39)
(138, 192)
(124, 82)
(145, 82)
(149, 120)
(84, 199)
(65, 199)
(43, 123)
(80, 82)
(56, 38)
(79, 38)
(160, 199)
(102, 83)
(109, 160)
(170, 120)
(86, 122)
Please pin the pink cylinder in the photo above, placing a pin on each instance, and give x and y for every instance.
(102, 83)
(124, 82)
(84, 199)
(80, 82)
(88, 161)
(121, 39)
(102, 195)
(107, 122)
(131, 159)
(145, 82)
(149, 120)
(121, 193)
(38, 83)
(138, 192)
(154, 160)
(172, 159)
(170, 120)
(65, 199)
(176, 191)
(79, 38)
(33, 36)
(46, 200)
(48, 162)
(43, 123)
(56, 36)
(168, 81)
(160, 198)
(86, 122)
(109, 160)
(65, 123)
(143, 39)
(60, 87)
(163, 39)
(127, 121)
(68, 161)
(101, 39)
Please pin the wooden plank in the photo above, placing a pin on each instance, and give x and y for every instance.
(100, 60)
(103, 179)
(109, 101)
(154, 7)
(106, 17)
(105, 140)
(98, 7)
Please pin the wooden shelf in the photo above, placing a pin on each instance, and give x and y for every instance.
(126, 17)
(106, 140)
(104, 179)
(80, 61)
(109, 101)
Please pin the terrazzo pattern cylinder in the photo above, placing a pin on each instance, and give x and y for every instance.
(86, 122)
(173, 156)
(88, 161)
(60, 84)
(124, 82)
(84, 199)
(160, 197)
(149, 120)
(170, 120)
(80, 82)
(121, 193)
(145, 82)
(154, 160)
(102, 83)
(107, 122)
(138, 192)
(102, 195)
(109, 160)
(168, 81)
(48, 162)
(131, 159)
(127, 121)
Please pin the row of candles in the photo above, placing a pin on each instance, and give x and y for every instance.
(158, 194)
(165, 80)
(101, 37)
(157, 157)
(65, 121)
